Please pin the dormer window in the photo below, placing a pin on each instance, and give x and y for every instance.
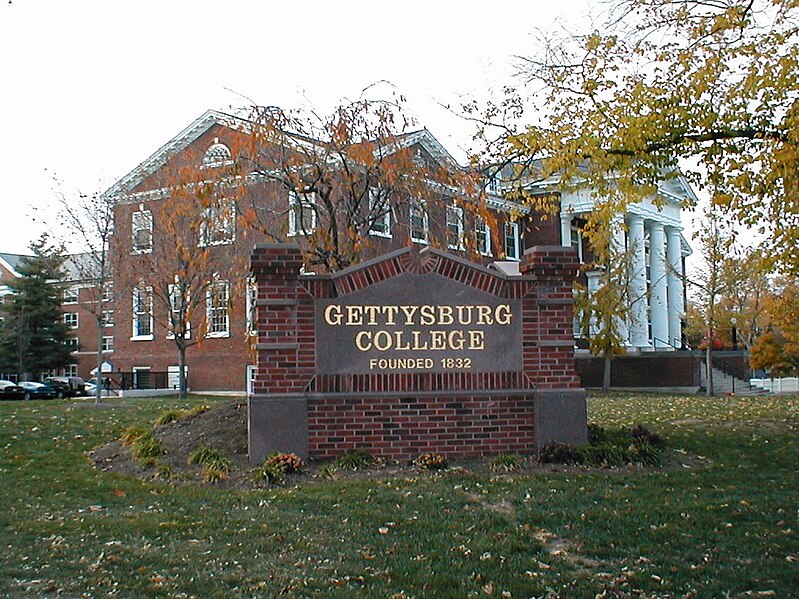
(217, 155)
(494, 185)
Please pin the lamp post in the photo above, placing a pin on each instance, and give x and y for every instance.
(734, 321)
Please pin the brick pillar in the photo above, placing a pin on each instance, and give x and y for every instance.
(278, 412)
(549, 316)
(276, 269)
(548, 345)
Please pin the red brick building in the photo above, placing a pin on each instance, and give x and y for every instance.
(222, 358)
(221, 329)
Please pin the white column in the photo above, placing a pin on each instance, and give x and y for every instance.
(565, 228)
(593, 283)
(620, 251)
(675, 292)
(657, 291)
(639, 330)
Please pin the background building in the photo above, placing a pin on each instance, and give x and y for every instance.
(138, 342)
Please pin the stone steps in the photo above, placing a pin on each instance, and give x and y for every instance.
(725, 384)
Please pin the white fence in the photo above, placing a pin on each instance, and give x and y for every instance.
(784, 385)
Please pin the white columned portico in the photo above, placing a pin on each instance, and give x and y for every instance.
(659, 311)
(675, 287)
(565, 228)
(639, 321)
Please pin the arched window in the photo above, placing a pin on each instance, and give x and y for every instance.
(217, 155)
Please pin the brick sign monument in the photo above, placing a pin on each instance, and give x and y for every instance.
(414, 352)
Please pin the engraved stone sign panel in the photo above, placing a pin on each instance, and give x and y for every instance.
(418, 323)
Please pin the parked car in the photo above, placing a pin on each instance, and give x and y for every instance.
(9, 390)
(91, 386)
(33, 390)
(66, 386)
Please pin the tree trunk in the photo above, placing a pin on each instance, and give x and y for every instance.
(606, 373)
(182, 371)
(98, 389)
(709, 369)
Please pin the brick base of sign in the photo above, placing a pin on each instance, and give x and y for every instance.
(401, 428)
(414, 352)
(277, 424)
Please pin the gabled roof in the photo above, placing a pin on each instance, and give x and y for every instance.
(76, 267)
(80, 267)
(178, 143)
(11, 262)
(424, 138)
(210, 118)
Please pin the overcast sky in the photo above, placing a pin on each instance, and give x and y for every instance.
(91, 88)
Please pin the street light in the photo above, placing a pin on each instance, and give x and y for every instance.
(734, 321)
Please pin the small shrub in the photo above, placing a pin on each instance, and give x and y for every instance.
(643, 436)
(277, 466)
(648, 455)
(328, 470)
(213, 475)
(352, 460)
(559, 453)
(133, 433)
(269, 473)
(148, 447)
(216, 466)
(505, 462)
(198, 409)
(211, 459)
(288, 463)
(203, 455)
(167, 416)
(430, 461)
(596, 434)
(610, 448)
(164, 471)
(606, 455)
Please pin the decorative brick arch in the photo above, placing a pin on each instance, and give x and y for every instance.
(350, 360)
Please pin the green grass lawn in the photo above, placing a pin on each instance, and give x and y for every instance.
(724, 525)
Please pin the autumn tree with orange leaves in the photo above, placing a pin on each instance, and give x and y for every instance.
(336, 184)
(188, 259)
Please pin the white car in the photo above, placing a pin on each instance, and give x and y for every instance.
(9, 390)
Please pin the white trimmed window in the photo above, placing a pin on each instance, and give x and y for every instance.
(380, 213)
(455, 228)
(71, 320)
(179, 311)
(142, 231)
(217, 155)
(72, 343)
(107, 294)
(71, 370)
(302, 213)
(142, 313)
(219, 224)
(418, 221)
(512, 242)
(70, 295)
(482, 236)
(218, 309)
(107, 318)
(108, 344)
